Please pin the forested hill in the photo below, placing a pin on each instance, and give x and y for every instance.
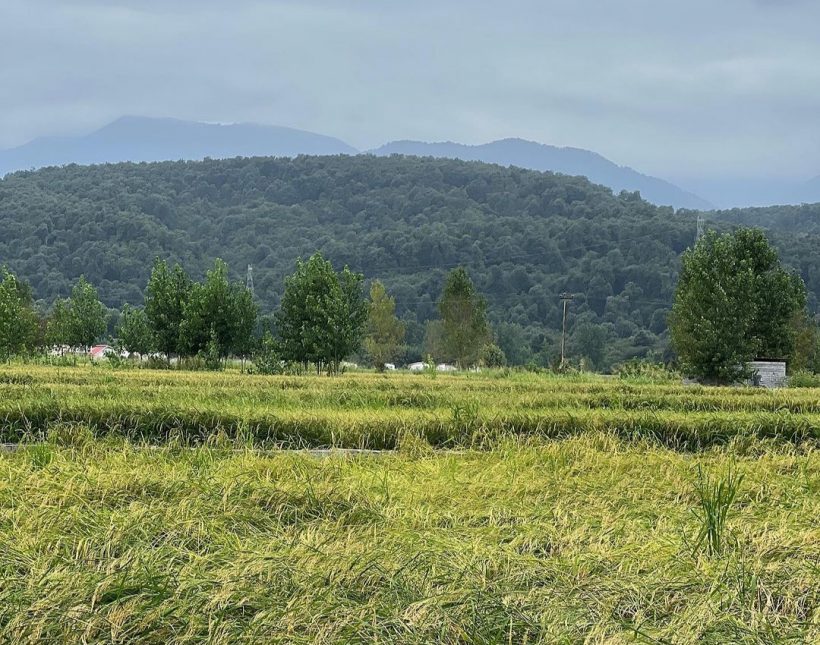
(525, 237)
(568, 161)
(801, 219)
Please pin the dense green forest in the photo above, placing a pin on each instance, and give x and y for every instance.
(801, 219)
(524, 236)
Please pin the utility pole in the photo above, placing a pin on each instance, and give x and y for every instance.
(249, 281)
(565, 299)
(701, 224)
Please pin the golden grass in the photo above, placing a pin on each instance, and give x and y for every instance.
(376, 411)
(586, 539)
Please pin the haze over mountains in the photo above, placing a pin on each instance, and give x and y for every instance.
(568, 161)
(158, 139)
(151, 139)
(134, 138)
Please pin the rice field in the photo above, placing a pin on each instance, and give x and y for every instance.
(156, 507)
(376, 411)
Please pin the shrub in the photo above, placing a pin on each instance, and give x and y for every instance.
(646, 370)
(804, 378)
(266, 359)
(211, 355)
(156, 363)
(493, 356)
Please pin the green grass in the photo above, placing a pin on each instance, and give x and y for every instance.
(586, 539)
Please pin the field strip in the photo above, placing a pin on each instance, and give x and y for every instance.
(313, 452)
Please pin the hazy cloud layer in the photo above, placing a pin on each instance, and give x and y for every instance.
(674, 89)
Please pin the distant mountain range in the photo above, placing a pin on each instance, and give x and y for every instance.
(568, 161)
(134, 138)
(149, 139)
(759, 191)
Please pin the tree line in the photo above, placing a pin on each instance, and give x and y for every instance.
(524, 236)
(324, 318)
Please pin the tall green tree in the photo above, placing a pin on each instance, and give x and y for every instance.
(88, 315)
(134, 333)
(385, 332)
(166, 296)
(245, 314)
(464, 320)
(219, 316)
(734, 302)
(322, 314)
(18, 321)
(806, 354)
(58, 327)
(80, 320)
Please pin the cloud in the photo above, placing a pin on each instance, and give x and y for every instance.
(675, 89)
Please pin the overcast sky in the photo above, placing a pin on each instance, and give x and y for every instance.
(675, 89)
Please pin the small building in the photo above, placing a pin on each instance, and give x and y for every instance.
(98, 352)
(102, 352)
(768, 374)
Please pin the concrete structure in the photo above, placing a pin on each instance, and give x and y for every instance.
(768, 373)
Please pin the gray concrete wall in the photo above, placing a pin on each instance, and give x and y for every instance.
(768, 373)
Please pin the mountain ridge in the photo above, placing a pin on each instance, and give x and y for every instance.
(514, 151)
(133, 138)
(137, 138)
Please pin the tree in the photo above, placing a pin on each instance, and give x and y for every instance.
(806, 354)
(385, 332)
(266, 359)
(18, 321)
(219, 316)
(166, 295)
(245, 314)
(348, 318)
(58, 328)
(87, 315)
(134, 332)
(464, 319)
(589, 340)
(493, 356)
(80, 320)
(322, 314)
(733, 302)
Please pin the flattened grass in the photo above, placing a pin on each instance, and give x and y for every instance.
(586, 539)
(376, 411)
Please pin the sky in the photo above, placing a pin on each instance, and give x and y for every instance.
(687, 91)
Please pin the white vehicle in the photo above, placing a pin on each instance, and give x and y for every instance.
(390, 367)
(417, 367)
(444, 367)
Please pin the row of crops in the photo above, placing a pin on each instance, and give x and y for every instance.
(378, 411)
